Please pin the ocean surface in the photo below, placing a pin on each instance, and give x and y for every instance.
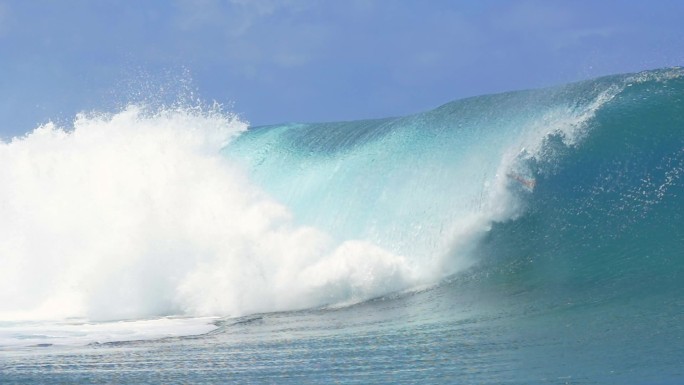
(530, 237)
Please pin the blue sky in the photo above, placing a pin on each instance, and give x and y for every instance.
(295, 60)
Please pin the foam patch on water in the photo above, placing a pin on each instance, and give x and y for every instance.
(70, 333)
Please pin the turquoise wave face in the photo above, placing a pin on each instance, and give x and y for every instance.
(569, 184)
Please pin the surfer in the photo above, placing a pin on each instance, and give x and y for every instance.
(527, 182)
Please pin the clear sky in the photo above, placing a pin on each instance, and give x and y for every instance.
(314, 60)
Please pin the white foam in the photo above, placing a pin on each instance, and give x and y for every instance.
(82, 332)
(137, 215)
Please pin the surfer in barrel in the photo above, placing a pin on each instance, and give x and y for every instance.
(526, 182)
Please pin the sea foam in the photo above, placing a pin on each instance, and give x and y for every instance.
(137, 214)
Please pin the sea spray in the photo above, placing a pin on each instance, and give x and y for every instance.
(137, 214)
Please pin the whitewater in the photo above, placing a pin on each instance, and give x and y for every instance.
(527, 237)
